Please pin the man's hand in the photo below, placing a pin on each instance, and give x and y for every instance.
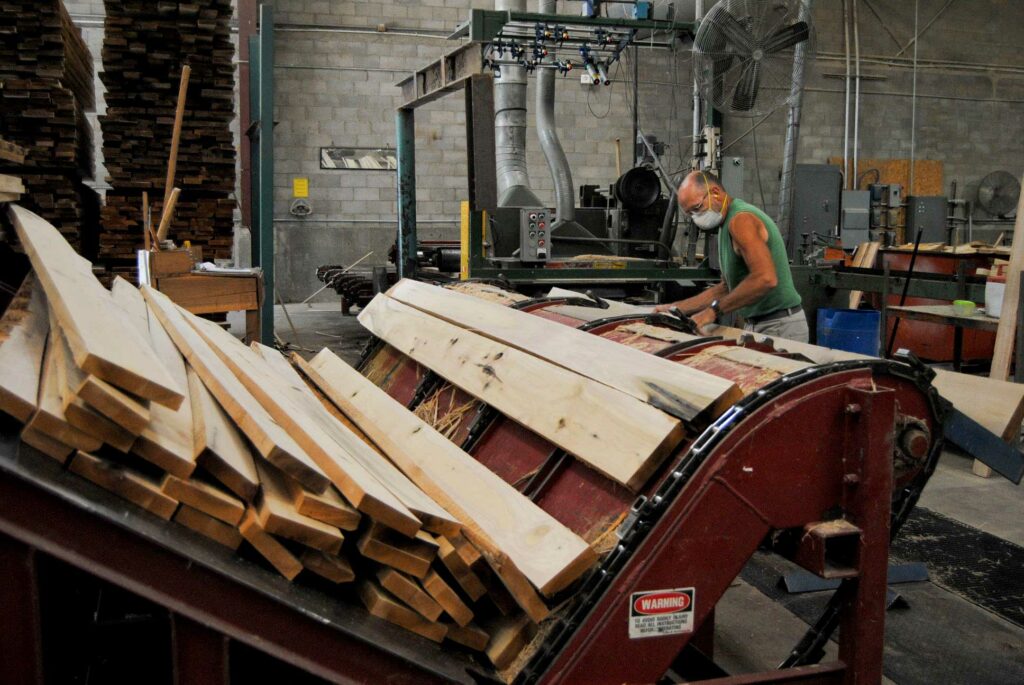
(703, 318)
(664, 308)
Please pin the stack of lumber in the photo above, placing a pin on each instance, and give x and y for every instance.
(310, 468)
(47, 88)
(145, 48)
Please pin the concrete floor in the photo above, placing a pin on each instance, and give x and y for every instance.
(942, 637)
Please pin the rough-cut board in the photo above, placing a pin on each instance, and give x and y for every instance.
(208, 526)
(333, 568)
(23, 331)
(382, 605)
(134, 487)
(444, 595)
(315, 433)
(383, 545)
(681, 392)
(508, 638)
(618, 435)
(523, 537)
(460, 570)
(129, 412)
(11, 184)
(329, 507)
(271, 441)
(47, 445)
(49, 418)
(277, 515)
(102, 344)
(269, 547)
(409, 591)
(168, 439)
(222, 450)
(205, 498)
(472, 636)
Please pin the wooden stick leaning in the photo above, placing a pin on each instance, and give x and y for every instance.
(168, 214)
(179, 115)
(145, 221)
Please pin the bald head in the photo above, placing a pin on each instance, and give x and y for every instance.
(695, 190)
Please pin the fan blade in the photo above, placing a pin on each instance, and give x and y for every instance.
(745, 95)
(735, 32)
(787, 37)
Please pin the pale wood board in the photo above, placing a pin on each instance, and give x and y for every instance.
(129, 412)
(52, 448)
(444, 595)
(388, 547)
(277, 515)
(269, 547)
(329, 507)
(525, 538)
(684, 393)
(409, 591)
(11, 185)
(102, 343)
(509, 635)
(167, 441)
(616, 434)
(460, 570)
(271, 441)
(23, 332)
(316, 432)
(223, 452)
(134, 487)
(356, 447)
(333, 568)
(657, 332)
(865, 260)
(208, 526)
(205, 498)
(382, 605)
(49, 418)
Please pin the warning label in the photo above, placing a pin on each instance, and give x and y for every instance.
(661, 612)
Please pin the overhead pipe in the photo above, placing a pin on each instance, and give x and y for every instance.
(510, 129)
(558, 164)
(846, 116)
(856, 97)
(796, 96)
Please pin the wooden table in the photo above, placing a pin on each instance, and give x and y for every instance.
(945, 314)
(218, 293)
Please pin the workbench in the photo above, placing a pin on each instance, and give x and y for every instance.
(219, 293)
(944, 314)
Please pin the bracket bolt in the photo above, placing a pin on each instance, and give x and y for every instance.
(851, 479)
(853, 408)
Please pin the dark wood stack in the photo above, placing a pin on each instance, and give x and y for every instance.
(46, 72)
(146, 45)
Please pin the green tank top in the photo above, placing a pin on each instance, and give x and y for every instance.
(734, 269)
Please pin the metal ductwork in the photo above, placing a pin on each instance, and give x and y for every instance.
(561, 175)
(510, 129)
(796, 96)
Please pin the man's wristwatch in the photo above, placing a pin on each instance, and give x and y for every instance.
(716, 308)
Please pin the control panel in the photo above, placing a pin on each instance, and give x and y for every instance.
(535, 234)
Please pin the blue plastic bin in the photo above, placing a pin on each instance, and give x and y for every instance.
(851, 330)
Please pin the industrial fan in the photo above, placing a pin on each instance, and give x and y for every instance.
(744, 52)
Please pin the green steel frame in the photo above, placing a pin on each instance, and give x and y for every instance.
(261, 137)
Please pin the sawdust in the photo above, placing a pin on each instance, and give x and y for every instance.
(607, 540)
(491, 293)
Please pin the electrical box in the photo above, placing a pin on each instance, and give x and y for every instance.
(928, 213)
(732, 176)
(535, 234)
(817, 192)
(856, 217)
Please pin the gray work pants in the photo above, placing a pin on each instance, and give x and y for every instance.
(792, 327)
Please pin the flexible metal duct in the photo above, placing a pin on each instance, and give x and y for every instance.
(796, 95)
(561, 175)
(510, 129)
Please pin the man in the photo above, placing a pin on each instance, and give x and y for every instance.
(756, 280)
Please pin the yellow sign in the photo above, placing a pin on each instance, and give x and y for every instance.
(300, 187)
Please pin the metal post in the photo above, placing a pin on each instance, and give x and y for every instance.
(266, 169)
(200, 653)
(796, 95)
(1018, 366)
(405, 121)
(253, 133)
(246, 29)
(21, 655)
(480, 156)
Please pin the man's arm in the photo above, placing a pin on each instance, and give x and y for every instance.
(750, 237)
(701, 300)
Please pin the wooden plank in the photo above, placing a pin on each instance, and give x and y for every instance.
(761, 360)
(271, 441)
(49, 418)
(614, 433)
(11, 184)
(47, 445)
(328, 507)
(358, 446)
(685, 394)
(444, 595)
(316, 432)
(210, 294)
(277, 515)
(472, 636)
(524, 538)
(23, 330)
(129, 412)
(208, 526)
(333, 568)
(460, 570)
(10, 197)
(134, 487)
(203, 497)
(102, 344)
(269, 547)
(865, 260)
(382, 605)
(222, 450)
(508, 638)
(167, 440)
(388, 547)
(409, 591)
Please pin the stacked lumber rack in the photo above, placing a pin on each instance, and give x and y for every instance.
(391, 497)
(46, 141)
(142, 89)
